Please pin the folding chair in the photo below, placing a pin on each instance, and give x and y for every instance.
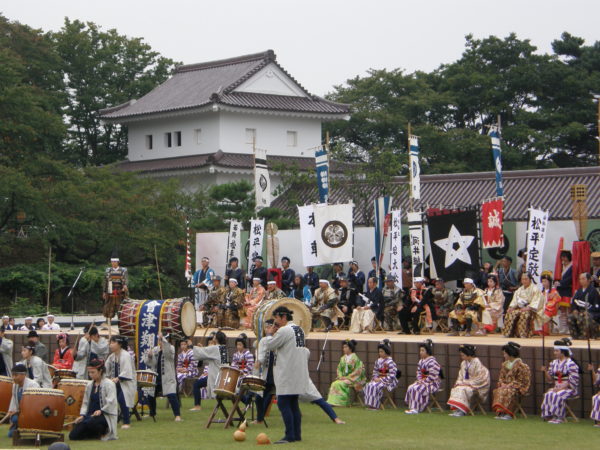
(433, 402)
(519, 408)
(477, 405)
(570, 413)
(357, 397)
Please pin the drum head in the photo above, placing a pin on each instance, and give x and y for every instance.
(188, 319)
(301, 315)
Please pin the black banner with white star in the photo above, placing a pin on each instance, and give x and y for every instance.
(454, 245)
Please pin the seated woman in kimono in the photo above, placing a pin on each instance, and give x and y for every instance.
(187, 366)
(473, 381)
(513, 383)
(429, 379)
(385, 376)
(525, 310)
(99, 411)
(350, 375)
(564, 372)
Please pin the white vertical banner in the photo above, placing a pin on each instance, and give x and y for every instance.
(257, 232)
(536, 238)
(262, 181)
(415, 231)
(415, 168)
(396, 247)
(234, 240)
(334, 232)
(308, 235)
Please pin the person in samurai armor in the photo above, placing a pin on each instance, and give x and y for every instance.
(114, 287)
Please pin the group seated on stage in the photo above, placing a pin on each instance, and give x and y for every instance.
(385, 376)
(472, 384)
(429, 380)
(351, 375)
(513, 384)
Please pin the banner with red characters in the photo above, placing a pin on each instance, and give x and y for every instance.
(491, 227)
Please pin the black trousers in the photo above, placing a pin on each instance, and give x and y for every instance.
(90, 428)
(410, 320)
(263, 404)
(292, 418)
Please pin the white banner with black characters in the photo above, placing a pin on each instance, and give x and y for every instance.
(262, 181)
(396, 247)
(257, 232)
(334, 232)
(415, 232)
(536, 238)
(308, 235)
(234, 240)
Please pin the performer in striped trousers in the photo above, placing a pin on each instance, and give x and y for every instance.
(428, 380)
(595, 414)
(564, 372)
(384, 376)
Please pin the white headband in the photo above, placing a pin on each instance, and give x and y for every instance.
(255, 279)
(324, 281)
(114, 259)
(419, 279)
(234, 280)
(271, 282)
(468, 280)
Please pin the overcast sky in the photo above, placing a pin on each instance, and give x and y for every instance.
(321, 43)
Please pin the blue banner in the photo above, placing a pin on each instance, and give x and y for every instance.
(382, 228)
(415, 167)
(322, 162)
(497, 153)
(148, 326)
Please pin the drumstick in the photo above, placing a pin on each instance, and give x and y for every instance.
(4, 419)
(68, 424)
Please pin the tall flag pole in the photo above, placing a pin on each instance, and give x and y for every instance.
(188, 252)
(322, 163)
(382, 228)
(494, 134)
(262, 181)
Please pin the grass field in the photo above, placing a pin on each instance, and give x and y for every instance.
(389, 429)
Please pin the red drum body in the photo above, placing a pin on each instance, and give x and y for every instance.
(177, 317)
(74, 391)
(42, 412)
(6, 385)
(228, 381)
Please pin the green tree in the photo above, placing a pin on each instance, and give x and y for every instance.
(31, 94)
(103, 69)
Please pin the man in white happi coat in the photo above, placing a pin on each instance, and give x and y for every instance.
(20, 383)
(216, 356)
(290, 369)
(91, 346)
(161, 359)
(120, 369)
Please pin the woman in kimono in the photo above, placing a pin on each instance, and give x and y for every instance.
(525, 310)
(63, 356)
(91, 346)
(473, 380)
(350, 375)
(552, 301)
(494, 306)
(216, 356)
(384, 377)
(564, 372)
(99, 410)
(120, 369)
(595, 414)
(37, 369)
(187, 366)
(513, 384)
(429, 375)
(253, 299)
(161, 359)
(243, 359)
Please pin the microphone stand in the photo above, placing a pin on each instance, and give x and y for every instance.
(70, 294)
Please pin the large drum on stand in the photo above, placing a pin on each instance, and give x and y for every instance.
(176, 317)
(228, 382)
(6, 385)
(301, 317)
(42, 413)
(74, 391)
